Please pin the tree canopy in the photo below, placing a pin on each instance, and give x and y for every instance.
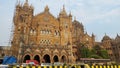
(96, 52)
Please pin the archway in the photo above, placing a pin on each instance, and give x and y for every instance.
(55, 58)
(27, 57)
(46, 58)
(37, 58)
(63, 59)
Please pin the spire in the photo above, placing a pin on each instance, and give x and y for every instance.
(105, 34)
(117, 35)
(63, 12)
(46, 8)
(31, 6)
(86, 32)
(74, 18)
(64, 8)
(70, 15)
(26, 3)
(18, 3)
(93, 35)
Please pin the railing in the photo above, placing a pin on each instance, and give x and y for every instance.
(68, 66)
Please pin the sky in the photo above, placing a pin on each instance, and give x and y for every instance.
(98, 16)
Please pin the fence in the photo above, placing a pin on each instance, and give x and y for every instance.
(105, 66)
(70, 66)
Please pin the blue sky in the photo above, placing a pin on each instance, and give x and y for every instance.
(98, 16)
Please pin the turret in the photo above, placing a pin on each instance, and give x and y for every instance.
(46, 9)
(93, 36)
(65, 26)
(23, 14)
(22, 21)
(63, 12)
(26, 4)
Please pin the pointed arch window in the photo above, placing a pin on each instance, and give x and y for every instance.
(57, 33)
(32, 32)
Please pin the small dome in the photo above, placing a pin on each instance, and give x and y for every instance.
(106, 38)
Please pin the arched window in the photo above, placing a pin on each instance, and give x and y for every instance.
(57, 33)
(34, 32)
(19, 28)
(31, 32)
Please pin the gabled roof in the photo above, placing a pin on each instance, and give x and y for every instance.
(45, 12)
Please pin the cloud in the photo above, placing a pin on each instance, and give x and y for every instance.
(97, 10)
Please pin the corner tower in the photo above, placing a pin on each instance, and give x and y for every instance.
(22, 21)
(65, 27)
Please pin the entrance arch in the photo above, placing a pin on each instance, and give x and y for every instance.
(46, 58)
(27, 57)
(37, 58)
(55, 58)
(63, 59)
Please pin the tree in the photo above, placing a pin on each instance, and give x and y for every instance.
(95, 56)
(100, 52)
(96, 52)
(85, 52)
(104, 54)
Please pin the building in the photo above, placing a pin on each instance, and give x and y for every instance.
(113, 47)
(107, 45)
(4, 51)
(80, 36)
(45, 38)
(116, 48)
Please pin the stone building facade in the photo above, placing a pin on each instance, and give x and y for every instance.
(107, 45)
(80, 36)
(112, 46)
(116, 48)
(45, 38)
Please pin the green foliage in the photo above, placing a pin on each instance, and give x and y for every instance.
(84, 52)
(104, 54)
(95, 56)
(96, 52)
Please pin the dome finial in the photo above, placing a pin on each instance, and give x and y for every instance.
(46, 8)
(63, 7)
(74, 17)
(26, 1)
(70, 15)
(117, 34)
(63, 12)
